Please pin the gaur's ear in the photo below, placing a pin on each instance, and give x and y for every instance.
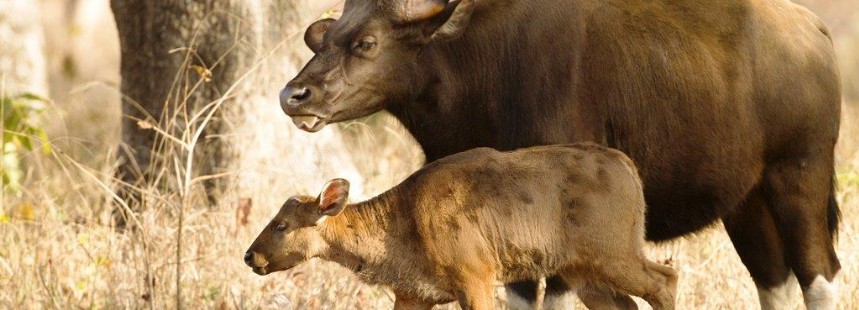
(316, 32)
(454, 25)
(333, 198)
(410, 11)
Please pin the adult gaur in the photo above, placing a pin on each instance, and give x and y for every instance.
(730, 108)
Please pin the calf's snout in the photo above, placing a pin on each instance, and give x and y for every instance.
(249, 258)
(255, 260)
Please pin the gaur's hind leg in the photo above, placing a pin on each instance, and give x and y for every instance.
(522, 295)
(755, 236)
(559, 294)
(800, 196)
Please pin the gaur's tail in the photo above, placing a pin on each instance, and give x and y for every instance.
(834, 213)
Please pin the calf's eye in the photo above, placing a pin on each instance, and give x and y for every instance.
(280, 227)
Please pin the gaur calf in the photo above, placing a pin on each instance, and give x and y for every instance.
(458, 225)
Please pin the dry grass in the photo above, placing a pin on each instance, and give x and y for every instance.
(63, 255)
(57, 249)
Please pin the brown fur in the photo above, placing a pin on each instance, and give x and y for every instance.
(453, 228)
(729, 108)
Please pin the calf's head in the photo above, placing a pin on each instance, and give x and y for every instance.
(368, 59)
(293, 236)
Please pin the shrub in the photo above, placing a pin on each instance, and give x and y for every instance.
(22, 133)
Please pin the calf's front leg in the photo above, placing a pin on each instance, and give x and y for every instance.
(408, 304)
(476, 296)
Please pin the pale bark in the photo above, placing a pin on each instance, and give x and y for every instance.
(252, 48)
(22, 61)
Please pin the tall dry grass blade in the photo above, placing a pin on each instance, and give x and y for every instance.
(47, 289)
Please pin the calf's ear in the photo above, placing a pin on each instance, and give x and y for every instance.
(333, 198)
(315, 33)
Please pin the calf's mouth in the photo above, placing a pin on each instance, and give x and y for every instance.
(260, 270)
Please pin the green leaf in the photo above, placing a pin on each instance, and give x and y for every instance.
(33, 97)
(46, 147)
(25, 142)
(21, 127)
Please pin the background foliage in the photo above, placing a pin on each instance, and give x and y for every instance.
(22, 132)
(59, 250)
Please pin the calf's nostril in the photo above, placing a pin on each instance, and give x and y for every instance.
(249, 258)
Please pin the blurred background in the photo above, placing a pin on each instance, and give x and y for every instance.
(60, 68)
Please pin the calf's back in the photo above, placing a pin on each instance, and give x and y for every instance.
(529, 212)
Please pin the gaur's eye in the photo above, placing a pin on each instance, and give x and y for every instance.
(365, 44)
(280, 227)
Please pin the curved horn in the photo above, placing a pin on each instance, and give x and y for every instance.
(417, 10)
(457, 22)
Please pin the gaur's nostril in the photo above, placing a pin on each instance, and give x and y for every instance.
(301, 94)
(249, 257)
(294, 96)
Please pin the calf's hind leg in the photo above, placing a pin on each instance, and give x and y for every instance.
(599, 298)
(655, 283)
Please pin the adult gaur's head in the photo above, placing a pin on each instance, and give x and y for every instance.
(367, 60)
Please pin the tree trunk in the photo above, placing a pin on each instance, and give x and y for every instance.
(22, 62)
(223, 58)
